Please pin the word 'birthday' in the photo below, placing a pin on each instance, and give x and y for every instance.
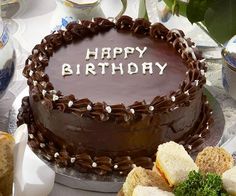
(114, 68)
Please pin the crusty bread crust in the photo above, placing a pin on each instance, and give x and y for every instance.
(145, 177)
(6, 163)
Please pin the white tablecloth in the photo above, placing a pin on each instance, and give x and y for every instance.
(34, 22)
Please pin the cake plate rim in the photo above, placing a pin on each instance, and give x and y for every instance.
(112, 184)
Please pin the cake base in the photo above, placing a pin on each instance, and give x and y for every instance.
(112, 183)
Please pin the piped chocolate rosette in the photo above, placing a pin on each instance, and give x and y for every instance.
(104, 95)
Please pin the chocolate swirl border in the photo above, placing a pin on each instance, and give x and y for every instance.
(42, 89)
(104, 165)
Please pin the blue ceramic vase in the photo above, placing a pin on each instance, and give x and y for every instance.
(7, 59)
(229, 67)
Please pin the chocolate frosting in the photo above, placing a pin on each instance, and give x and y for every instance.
(97, 90)
(114, 89)
(110, 123)
(57, 149)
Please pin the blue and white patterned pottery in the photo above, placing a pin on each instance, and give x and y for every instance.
(7, 60)
(229, 67)
(68, 11)
(73, 10)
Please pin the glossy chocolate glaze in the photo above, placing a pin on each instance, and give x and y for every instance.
(136, 138)
(117, 88)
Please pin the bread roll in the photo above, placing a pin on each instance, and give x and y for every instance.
(6, 163)
(214, 160)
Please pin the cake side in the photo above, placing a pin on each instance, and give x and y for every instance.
(58, 150)
(139, 137)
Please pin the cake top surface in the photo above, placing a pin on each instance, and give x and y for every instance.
(121, 70)
(143, 68)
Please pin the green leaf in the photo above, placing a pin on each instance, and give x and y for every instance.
(196, 10)
(220, 20)
(217, 15)
(199, 184)
(142, 9)
(177, 6)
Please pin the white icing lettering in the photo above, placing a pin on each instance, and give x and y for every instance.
(162, 67)
(78, 69)
(90, 69)
(117, 68)
(132, 68)
(147, 67)
(106, 52)
(141, 52)
(91, 53)
(117, 51)
(128, 50)
(103, 66)
(66, 69)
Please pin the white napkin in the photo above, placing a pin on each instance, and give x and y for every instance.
(32, 176)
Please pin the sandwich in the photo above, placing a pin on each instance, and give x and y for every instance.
(229, 181)
(149, 191)
(174, 163)
(144, 177)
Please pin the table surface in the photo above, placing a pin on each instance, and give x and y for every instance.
(32, 22)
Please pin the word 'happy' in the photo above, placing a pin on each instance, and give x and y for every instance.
(108, 53)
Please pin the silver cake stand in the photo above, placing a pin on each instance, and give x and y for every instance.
(111, 184)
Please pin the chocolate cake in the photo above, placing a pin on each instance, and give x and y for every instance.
(104, 95)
